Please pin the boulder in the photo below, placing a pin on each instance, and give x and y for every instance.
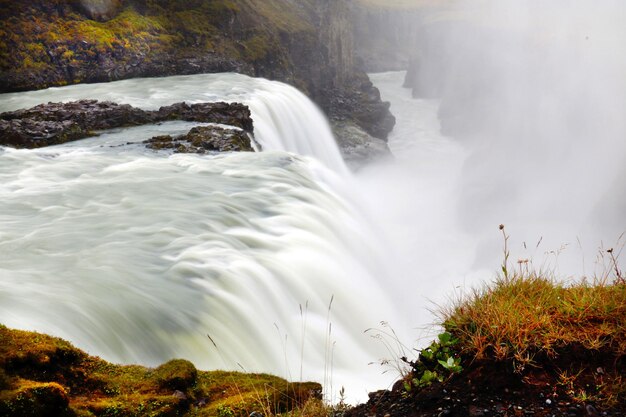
(177, 374)
(202, 139)
(56, 123)
(357, 146)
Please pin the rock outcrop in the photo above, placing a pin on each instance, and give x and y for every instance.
(357, 146)
(203, 139)
(56, 123)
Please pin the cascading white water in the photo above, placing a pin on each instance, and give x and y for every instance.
(284, 118)
(137, 256)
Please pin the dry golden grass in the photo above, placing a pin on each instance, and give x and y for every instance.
(524, 315)
(573, 334)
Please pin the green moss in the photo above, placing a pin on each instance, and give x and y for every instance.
(257, 47)
(177, 374)
(278, 15)
(35, 400)
(42, 375)
(43, 40)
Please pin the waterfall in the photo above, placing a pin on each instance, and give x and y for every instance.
(284, 118)
(137, 256)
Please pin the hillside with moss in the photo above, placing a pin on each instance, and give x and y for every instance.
(45, 376)
(59, 42)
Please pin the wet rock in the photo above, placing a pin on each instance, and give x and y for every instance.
(88, 114)
(56, 123)
(204, 139)
(37, 400)
(357, 147)
(177, 374)
(99, 9)
(232, 114)
(29, 133)
(180, 395)
(361, 104)
(591, 411)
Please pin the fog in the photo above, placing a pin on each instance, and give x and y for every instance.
(530, 97)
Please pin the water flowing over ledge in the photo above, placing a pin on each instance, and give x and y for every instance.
(136, 256)
(284, 118)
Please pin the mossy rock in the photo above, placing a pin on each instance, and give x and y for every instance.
(36, 400)
(37, 379)
(177, 374)
(30, 354)
(5, 380)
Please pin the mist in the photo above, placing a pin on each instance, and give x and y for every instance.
(516, 117)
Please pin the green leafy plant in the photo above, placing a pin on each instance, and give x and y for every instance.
(435, 363)
(225, 411)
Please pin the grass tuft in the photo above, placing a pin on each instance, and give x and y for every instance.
(525, 315)
(573, 333)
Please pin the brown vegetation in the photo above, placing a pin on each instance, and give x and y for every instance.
(43, 376)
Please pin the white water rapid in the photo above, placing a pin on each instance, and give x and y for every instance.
(137, 256)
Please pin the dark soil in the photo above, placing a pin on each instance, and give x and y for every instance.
(572, 386)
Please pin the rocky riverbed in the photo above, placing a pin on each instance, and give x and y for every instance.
(57, 123)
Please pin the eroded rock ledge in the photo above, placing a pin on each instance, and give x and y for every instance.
(203, 139)
(57, 123)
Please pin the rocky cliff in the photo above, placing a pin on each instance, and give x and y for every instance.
(307, 43)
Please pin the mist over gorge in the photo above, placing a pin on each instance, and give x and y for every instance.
(536, 93)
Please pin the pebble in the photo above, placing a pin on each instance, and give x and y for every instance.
(180, 395)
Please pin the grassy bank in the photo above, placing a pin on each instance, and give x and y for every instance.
(571, 337)
(45, 376)
(524, 344)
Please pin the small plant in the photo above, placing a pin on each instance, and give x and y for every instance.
(342, 406)
(225, 411)
(505, 262)
(619, 276)
(435, 363)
